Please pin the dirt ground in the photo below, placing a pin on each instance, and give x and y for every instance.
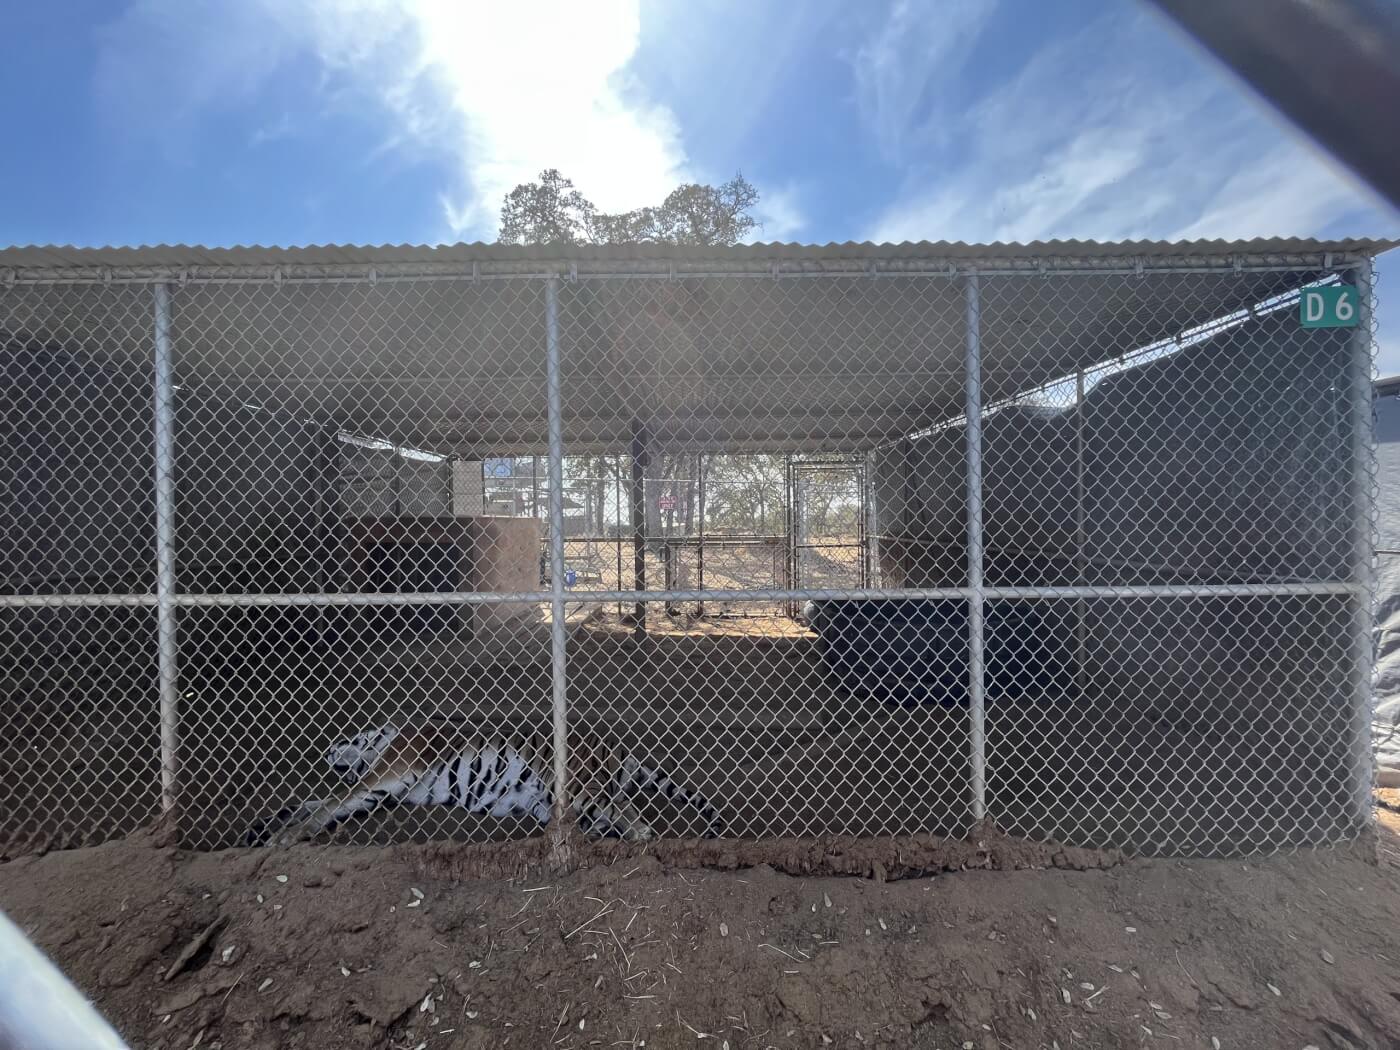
(799, 945)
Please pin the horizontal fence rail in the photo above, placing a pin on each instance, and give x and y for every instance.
(1078, 547)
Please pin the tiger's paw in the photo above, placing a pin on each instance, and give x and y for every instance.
(640, 832)
(284, 828)
(262, 831)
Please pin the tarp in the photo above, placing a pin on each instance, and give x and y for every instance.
(1387, 719)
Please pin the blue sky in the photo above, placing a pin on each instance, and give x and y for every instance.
(255, 121)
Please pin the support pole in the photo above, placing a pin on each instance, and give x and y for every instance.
(166, 642)
(976, 710)
(559, 669)
(1081, 541)
(639, 525)
(1362, 398)
(700, 472)
(790, 554)
(863, 524)
(617, 513)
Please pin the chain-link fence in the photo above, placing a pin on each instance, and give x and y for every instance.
(753, 542)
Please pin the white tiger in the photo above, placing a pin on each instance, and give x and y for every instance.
(486, 775)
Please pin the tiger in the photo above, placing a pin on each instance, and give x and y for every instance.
(388, 767)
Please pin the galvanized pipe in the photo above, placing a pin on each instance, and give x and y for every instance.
(558, 662)
(1363, 560)
(166, 641)
(1165, 590)
(700, 463)
(1344, 588)
(1081, 536)
(976, 712)
(948, 268)
(617, 510)
(639, 524)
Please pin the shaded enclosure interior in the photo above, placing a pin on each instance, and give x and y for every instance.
(1140, 428)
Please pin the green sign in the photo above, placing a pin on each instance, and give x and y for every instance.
(1332, 307)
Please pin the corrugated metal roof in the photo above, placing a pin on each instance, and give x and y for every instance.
(711, 363)
(183, 255)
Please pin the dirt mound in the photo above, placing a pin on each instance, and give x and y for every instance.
(412, 947)
(882, 859)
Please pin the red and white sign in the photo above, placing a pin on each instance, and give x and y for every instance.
(666, 502)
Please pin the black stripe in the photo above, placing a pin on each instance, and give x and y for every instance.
(474, 788)
(454, 786)
(379, 797)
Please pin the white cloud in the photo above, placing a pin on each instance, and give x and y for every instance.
(780, 215)
(1092, 161)
(1288, 189)
(536, 86)
(1081, 188)
(503, 90)
(280, 128)
(902, 69)
(1082, 142)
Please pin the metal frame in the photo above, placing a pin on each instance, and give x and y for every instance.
(951, 267)
(777, 594)
(1363, 415)
(810, 467)
(164, 442)
(558, 673)
(167, 600)
(976, 594)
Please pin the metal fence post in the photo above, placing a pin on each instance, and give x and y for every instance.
(1081, 538)
(166, 641)
(700, 472)
(640, 459)
(559, 670)
(617, 512)
(976, 710)
(1364, 509)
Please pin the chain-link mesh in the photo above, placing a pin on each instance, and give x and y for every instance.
(800, 594)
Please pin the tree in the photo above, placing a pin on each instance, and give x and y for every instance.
(552, 211)
(745, 493)
(597, 478)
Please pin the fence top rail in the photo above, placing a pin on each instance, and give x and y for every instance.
(186, 263)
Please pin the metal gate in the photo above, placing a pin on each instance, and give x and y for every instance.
(828, 546)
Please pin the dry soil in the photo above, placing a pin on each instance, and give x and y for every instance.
(434, 948)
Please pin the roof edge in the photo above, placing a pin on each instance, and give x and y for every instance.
(56, 262)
